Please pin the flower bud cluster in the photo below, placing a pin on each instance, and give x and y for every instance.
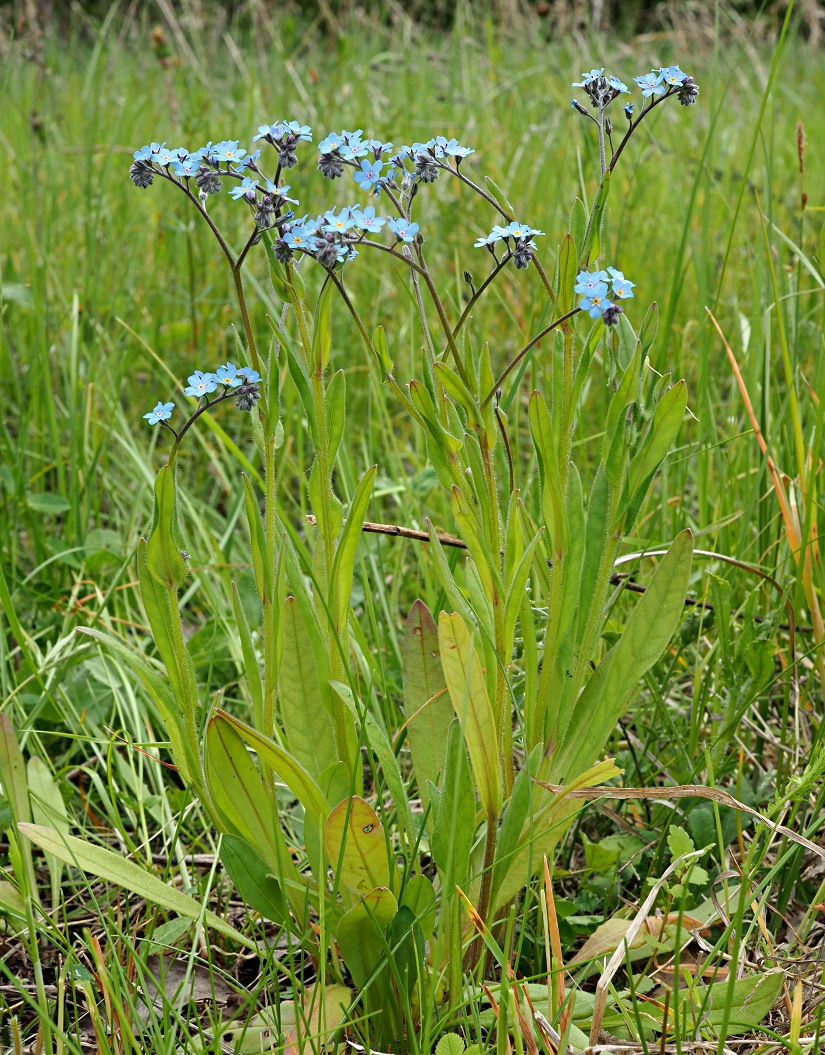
(522, 236)
(332, 236)
(599, 292)
(241, 381)
(659, 83)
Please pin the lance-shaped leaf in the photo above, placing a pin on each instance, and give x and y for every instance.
(552, 502)
(578, 224)
(486, 563)
(308, 726)
(159, 612)
(468, 692)
(298, 374)
(114, 868)
(257, 540)
(253, 878)
(322, 330)
(568, 267)
(649, 628)
(457, 390)
(592, 236)
(379, 342)
(454, 823)
(361, 933)
(336, 398)
(427, 705)
(516, 594)
(574, 558)
(291, 772)
(163, 555)
(13, 772)
(250, 660)
(667, 420)
(356, 847)
(344, 563)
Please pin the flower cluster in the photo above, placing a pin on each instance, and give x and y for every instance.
(331, 237)
(596, 288)
(601, 90)
(364, 155)
(665, 81)
(429, 158)
(240, 381)
(285, 137)
(522, 236)
(202, 165)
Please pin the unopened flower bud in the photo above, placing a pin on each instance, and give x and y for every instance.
(142, 174)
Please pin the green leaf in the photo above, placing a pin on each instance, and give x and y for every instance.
(356, 848)
(754, 997)
(407, 942)
(594, 542)
(250, 660)
(114, 868)
(592, 234)
(49, 504)
(382, 749)
(578, 224)
(427, 707)
(516, 594)
(499, 195)
(679, 842)
(379, 341)
(344, 563)
(336, 398)
(553, 512)
(298, 374)
(361, 934)
(322, 330)
(455, 819)
(667, 420)
(258, 542)
(451, 1043)
(13, 772)
(649, 628)
(574, 557)
(568, 268)
(457, 390)
(48, 809)
(253, 879)
(308, 728)
(162, 554)
(473, 536)
(419, 897)
(291, 772)
(468, 692)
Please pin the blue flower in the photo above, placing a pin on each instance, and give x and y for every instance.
(201, 384)
(587, 78)
(455, 149)
(403, 230)
(331, 143)
(246, 188)
(228, 375)
(651, 84)
(298, 130)
(586, 281)
(338, 223)
(250, 376)
(228, 150)
(596, 302)
(366, 219)
(187, 166)
(263, 132)
(369, 175)
(244, 163)
(377, 147)
(352, 149)
(496, 235)
(164, 157)
(617, 85)
(672, 76)
(629, 111)
(162, 412)
(298, 238)
(518, 230)
(622, 287)
(145, 153)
